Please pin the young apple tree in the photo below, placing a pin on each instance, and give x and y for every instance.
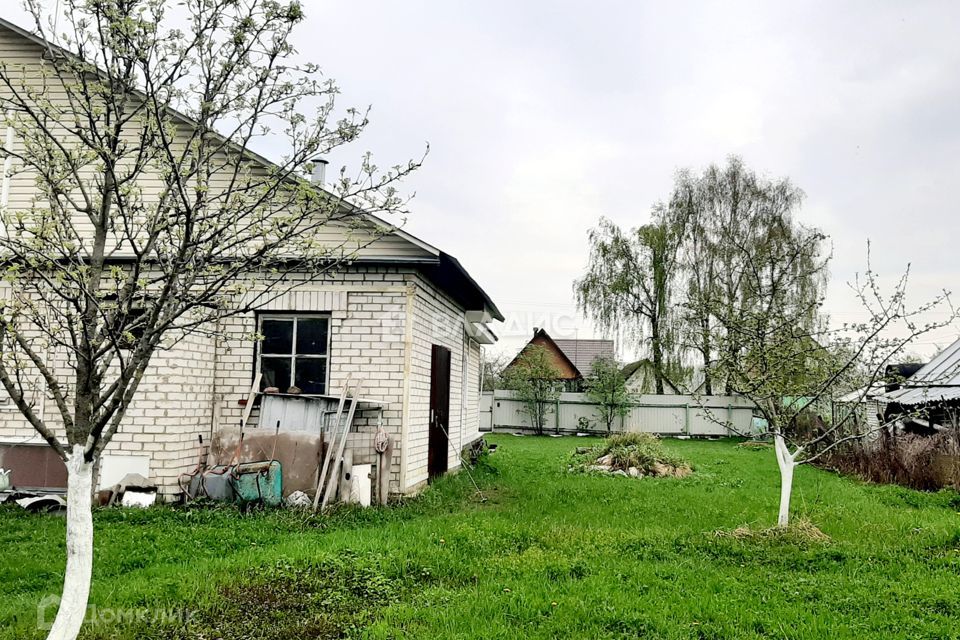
(150, 218)
(790, 363)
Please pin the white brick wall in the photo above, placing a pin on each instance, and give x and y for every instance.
(438, 320)
(171, 408)
(199, 382)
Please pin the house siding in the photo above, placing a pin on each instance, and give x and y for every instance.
(24, 58)
(384, 320)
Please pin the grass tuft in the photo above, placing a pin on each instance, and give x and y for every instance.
(801, 531)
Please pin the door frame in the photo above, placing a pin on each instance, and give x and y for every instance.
(438, 429)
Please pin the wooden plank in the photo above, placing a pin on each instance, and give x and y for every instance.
(343, 443)
(333, 439)
(251, 398)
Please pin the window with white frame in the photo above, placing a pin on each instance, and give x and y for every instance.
(294, 352)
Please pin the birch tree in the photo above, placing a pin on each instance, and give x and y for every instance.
(629, 287)
(718, 213)
(152, 218)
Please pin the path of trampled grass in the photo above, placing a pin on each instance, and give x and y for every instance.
(549, 555)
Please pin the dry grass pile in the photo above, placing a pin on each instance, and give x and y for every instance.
(630, 454)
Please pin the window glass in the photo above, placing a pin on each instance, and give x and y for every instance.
(311, 336)
(311, 375)
(276, 373)
(277, 336)
(293, 352)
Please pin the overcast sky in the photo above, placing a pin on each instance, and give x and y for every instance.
(544, 115)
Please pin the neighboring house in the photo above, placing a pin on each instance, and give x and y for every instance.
(403, 316)
(582, 353)
(572, 358)
(931, 395)
(869, 404)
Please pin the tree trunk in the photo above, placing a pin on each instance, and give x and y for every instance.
(706, 349)
(657, 349)
(786, 463)
(76, 579)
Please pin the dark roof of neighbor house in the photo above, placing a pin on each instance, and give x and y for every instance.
(582, 353)
(936, 381)
(444, 270)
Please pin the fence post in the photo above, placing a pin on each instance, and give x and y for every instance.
(686, 418)
(556, 416)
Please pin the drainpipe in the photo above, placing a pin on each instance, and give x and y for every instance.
(407, 366)
(463, 387)
(214, 401)
(7, 165)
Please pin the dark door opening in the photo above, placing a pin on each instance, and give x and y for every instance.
(438, 448)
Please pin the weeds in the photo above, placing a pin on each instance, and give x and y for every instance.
(920, 462)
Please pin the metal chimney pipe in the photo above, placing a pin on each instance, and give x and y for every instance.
(319, 175)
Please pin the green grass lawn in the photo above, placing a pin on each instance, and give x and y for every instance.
(548, 555)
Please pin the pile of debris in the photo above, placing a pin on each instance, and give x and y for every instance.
(635, 455)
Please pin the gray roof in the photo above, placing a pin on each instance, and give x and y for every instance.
(939, 379)
(582, 353)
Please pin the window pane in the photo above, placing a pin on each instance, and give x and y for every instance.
(277, 336)
(276, 373)
(312, 336)
(312, 375)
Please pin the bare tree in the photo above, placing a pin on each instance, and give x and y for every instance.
(629, 286)
(493, 369)
(152, 218)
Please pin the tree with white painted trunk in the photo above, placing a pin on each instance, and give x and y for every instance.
(152, 218)
(792, 363)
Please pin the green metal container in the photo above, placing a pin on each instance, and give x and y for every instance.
(258, 482)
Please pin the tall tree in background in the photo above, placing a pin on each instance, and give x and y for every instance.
(629, 286)
(726, 216)
(152, 219)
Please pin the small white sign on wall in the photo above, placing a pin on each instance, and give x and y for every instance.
(113, 467)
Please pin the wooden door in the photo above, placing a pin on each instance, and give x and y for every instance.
(439, 447)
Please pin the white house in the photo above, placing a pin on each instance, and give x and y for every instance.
(404, 316)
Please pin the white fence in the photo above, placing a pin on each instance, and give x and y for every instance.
(666, 415)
